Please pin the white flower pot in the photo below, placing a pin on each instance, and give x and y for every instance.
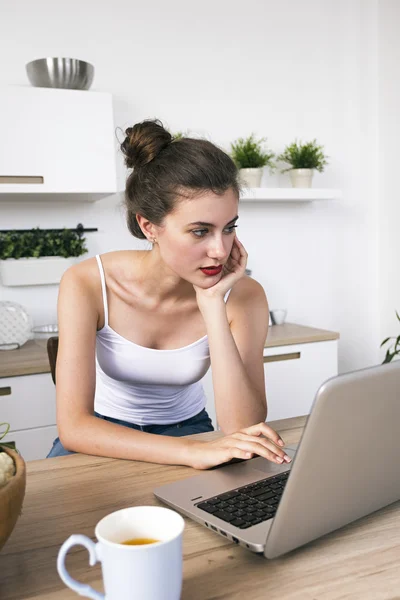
(301, 178)
(46, 270)
(251, 177)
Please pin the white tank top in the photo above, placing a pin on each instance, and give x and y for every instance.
(147, 386)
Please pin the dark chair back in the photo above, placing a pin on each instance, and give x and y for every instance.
(52, 349)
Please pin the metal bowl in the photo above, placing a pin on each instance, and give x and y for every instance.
(67, 73)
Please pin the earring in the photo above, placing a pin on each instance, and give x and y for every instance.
(154, 241)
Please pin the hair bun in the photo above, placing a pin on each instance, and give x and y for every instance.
(143, 142)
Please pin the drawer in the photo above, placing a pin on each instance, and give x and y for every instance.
(33, 444)
(27, 402)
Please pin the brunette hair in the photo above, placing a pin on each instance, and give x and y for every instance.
(165, 169)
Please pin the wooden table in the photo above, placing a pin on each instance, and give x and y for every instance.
(71, 494)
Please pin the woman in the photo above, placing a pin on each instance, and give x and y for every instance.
(138, 328)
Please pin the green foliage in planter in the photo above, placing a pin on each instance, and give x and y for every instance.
(394, 349)
(248, 153)
(304, 156)
(3, 434)
(37, 242)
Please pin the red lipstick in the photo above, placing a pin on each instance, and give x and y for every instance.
(210, 271)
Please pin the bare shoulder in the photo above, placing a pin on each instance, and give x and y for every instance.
(86, 273)
(248, 292)
(247, 300)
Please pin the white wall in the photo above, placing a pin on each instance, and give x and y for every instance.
(389, 198)
(224, 69)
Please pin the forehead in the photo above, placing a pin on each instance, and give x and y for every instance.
(209, 207)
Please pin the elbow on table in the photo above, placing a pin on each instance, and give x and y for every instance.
(67, 440)
(70, 434)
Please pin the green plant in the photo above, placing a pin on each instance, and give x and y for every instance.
(3, 434)
(394, 349)
(248, 153)
(41, 242)
(304, 156)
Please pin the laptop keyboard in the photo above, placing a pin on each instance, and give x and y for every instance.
(248, 505)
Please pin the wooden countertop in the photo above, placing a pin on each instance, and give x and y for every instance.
(290, 334)
(71, 494)
(32, 357)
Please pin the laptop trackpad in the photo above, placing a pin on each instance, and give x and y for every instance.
(270, 468)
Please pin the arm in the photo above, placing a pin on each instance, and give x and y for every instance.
(79, 316)
(236, 352)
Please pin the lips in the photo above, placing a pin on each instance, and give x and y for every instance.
(210, 271)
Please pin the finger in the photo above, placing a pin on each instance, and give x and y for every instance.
(235, 452)
(260, 450)
(267, 443)
(264, 429)
(240, 246)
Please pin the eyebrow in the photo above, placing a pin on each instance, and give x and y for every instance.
(204, 224)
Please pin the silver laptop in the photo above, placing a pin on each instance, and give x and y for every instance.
(345, 467)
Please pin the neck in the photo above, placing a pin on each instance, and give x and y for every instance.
(159, 281)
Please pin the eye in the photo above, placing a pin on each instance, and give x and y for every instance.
(199, 232)
(230, 229)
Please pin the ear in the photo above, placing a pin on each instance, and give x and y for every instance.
(147, 227)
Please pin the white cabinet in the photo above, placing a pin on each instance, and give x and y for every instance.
(293, 374)
(56, 141)
(28, 404)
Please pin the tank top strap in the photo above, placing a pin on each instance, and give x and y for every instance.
(103, 288)
(227, 295)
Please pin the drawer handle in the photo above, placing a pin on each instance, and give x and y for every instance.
(280, 357)
(20, 179)
(5, 391)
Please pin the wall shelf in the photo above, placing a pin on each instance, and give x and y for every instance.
(289, 194)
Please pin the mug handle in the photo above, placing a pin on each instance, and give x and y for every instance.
(83, 589)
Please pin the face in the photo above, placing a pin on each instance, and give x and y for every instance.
(199, 233)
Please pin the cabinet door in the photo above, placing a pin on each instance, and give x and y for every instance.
(20, 127)
(28, 402)
(293, 375)
(33, 444)
(64, 137)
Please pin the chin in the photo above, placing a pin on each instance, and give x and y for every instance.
(206, 282)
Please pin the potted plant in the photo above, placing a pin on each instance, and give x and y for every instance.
(303, 158)
(394, 349)
(250, 158)
(38, 257)
(12, 487)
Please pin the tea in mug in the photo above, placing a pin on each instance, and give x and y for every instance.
(139, 541)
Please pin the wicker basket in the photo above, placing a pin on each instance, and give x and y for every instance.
(12, 497)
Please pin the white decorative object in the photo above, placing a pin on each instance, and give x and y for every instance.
(46, 270)
(301, 178)
(45, 331)
(278, 316)
(251, 177)
(15, 325)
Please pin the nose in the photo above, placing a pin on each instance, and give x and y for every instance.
(218, 248)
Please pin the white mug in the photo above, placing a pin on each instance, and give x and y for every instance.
(146, 572)
(278, 316)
